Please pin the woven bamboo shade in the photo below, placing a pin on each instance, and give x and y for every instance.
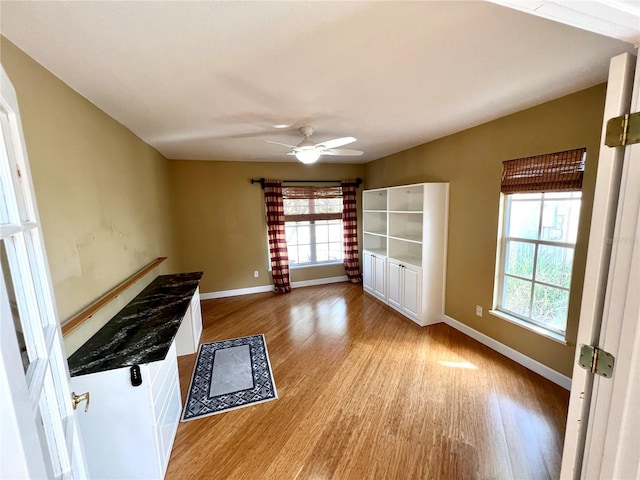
(551, 172)
(297, 205)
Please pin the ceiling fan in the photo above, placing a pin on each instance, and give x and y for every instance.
(307, 151)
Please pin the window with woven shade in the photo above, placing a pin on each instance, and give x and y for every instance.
(313, 224)
(541, 199)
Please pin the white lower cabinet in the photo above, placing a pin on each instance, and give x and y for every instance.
(128, 431)
(404, 291)
(374, 278)
(188, 336)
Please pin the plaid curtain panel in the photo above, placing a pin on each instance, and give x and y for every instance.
(350, 231)
(277, 236)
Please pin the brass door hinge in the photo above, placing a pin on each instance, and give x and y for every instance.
(624, 130)
(597, 361)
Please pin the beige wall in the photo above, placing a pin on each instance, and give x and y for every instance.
(106, 200)
(103, 194)
(472, 162)
(219, 219)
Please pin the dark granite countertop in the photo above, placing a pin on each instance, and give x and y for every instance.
(142, 332)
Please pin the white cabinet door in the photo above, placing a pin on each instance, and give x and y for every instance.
(394, 291)
(374, 275)
(411, 291)
(367, 271)
(404, 288)
(379, 277)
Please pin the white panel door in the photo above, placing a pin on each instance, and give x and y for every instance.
(612, 447)
(411, 291)
(379, 277)
(603, 421)
(394, 288)
(38, 425)
(367, 271)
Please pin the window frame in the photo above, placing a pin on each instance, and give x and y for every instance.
(502, 275)
(311, 223)
(313, 244)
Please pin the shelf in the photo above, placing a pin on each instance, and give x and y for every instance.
(375, 242)
(407, 198)
(407, 239)
(374, 200)
(406, 226)
(375, 222)
(404, 250)
(379, 234)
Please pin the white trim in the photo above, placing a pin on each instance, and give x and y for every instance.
(611, 18)
(543, 332)
(236, 291)
(319, 281)
(269, 288)
(293, 266)
(530, 363)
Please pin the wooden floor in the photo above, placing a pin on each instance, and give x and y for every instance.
(364, 393)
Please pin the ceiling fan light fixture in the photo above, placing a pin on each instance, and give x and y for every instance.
(308, 151)
(308, 156)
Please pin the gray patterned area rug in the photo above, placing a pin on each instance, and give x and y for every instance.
(230, 374)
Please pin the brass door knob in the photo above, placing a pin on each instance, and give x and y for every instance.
(76, 399)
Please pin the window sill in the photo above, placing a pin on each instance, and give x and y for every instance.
(556, 337)
(314, 265)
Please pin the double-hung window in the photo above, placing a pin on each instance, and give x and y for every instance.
(313, 225)
(541, 207)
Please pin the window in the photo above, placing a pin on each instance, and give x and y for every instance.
(313, 225)
(541, 208)
(539, 239)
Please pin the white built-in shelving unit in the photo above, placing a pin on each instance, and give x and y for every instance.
(405, 245)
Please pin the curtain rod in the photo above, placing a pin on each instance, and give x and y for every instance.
(262, 180)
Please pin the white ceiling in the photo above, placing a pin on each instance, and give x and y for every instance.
(210, 80)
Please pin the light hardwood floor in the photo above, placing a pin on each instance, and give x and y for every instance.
(364, 393)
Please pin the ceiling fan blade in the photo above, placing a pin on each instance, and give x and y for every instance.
(336, 142)
(283, 144)
(343, 152)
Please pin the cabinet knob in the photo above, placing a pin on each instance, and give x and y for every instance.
(77, 399)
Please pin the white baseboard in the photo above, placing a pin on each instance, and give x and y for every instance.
(237, 291)
(319, 281)
(530, 363)
(269, 288)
